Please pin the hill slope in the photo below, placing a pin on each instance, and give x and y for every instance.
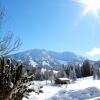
(43, 57)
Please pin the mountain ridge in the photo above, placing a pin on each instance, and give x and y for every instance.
(42, 57)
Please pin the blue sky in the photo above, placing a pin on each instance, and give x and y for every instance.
(52, 25)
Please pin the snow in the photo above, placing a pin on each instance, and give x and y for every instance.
(32, 62)
(45, 63)
(63, 78)
(96, 98)
(55, 72)
(44, 69)
(82, 89)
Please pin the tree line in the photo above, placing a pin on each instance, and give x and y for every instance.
(71, 71)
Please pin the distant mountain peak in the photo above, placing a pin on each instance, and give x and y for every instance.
(43, 57)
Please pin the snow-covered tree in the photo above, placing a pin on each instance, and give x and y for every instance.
(38, 74)
(51, 76)
(95, 71)
(98, 73)
(46, 75)
(78, 70)
(62, 73)
(72, 74)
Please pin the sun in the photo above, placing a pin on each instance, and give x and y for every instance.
(90, 5)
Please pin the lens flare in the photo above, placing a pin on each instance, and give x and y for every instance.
(90, 5)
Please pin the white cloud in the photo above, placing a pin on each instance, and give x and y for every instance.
(94, 52)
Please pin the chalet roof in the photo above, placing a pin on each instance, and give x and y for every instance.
(63, 78)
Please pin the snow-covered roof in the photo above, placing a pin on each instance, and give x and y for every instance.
(63, 78)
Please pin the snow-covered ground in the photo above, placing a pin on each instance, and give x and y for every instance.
(82, 89)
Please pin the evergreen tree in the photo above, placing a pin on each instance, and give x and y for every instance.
(86, 69)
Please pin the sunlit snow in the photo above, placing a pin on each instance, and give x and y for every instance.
(82, 89)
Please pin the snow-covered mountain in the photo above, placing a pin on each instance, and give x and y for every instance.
(43, 57)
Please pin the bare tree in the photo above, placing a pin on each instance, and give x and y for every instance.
(2, 15)
(8, 43)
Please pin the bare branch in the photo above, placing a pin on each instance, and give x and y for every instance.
(9, 44)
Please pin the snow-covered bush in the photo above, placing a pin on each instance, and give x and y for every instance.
(12, 79)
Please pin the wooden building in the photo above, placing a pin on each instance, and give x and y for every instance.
(62, 81)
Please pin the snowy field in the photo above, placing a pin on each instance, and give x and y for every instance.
(82, 89)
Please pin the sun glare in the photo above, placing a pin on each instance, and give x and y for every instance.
(90, 5)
